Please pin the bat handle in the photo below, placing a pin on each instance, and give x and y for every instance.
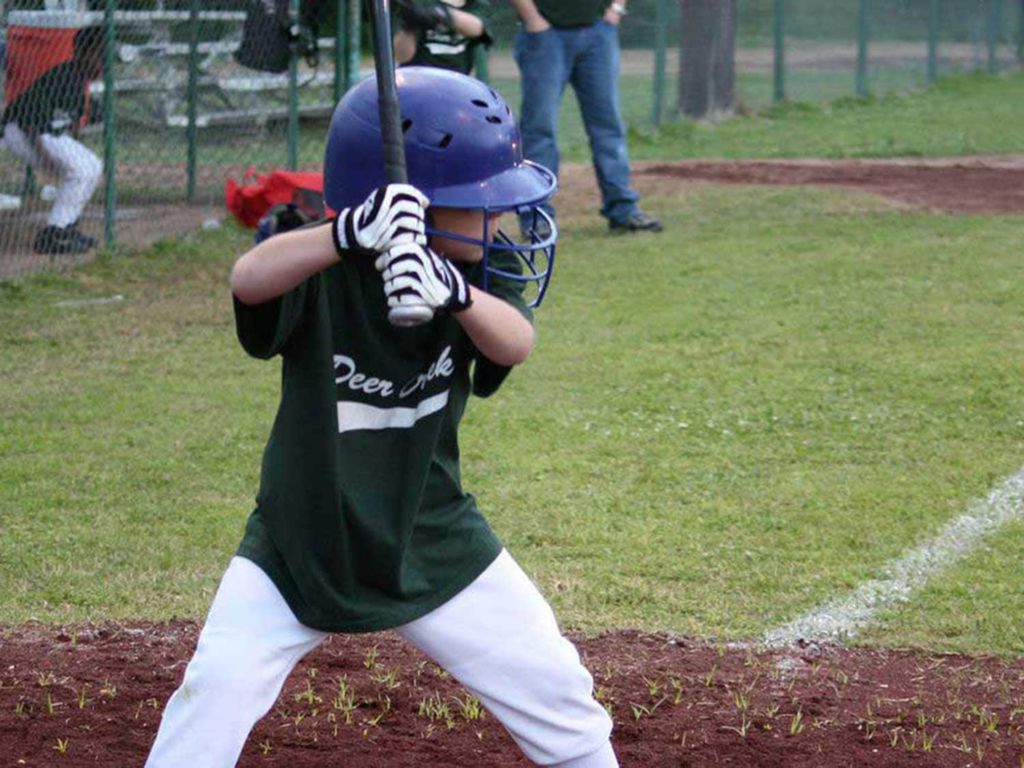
(387, 93)
(410, 315)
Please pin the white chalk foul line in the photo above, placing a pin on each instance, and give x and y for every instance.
(841, 618)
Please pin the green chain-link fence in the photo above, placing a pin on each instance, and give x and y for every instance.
(196, 92)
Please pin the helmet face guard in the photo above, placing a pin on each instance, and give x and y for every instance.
(527, 262)
(463, 150)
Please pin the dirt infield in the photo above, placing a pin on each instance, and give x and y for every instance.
(988, 184)
(963, 185)
(92, 696)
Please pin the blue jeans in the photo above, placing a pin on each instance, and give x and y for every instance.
(588, 58)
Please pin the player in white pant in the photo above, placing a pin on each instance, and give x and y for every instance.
(497, 637)
(361, 521)
(38, 127)
(76, 166)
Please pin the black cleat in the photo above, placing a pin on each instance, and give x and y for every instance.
(54, 240)
(637, 221)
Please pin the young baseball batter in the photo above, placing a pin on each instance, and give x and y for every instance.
(361, 522)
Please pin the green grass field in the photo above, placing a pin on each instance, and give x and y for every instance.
(720, 428)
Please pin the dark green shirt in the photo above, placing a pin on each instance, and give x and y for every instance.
(572, 13)
(361, 520)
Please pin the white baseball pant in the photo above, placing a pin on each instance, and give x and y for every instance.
(75, 164)
(498, 637)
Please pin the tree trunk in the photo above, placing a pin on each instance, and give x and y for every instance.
(707, 67)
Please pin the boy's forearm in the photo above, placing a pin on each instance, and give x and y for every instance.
(279, 263)
(497, 329)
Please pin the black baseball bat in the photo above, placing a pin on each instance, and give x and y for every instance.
(387, 92)
(391, 130)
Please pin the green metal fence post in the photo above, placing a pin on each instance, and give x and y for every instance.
(779, 36)
(933, 41)
(293, 89)
(28, 184)
(863, 34)
(340, 48)
(191, 98)
(353, 47)
(660, 45)
(481, 67)
(109, 129)
(995, 18)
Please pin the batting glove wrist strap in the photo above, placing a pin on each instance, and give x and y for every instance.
(390, 216)
(343, 232)
(461, 299)
(415, 275)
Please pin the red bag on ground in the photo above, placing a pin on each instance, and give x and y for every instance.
(249, 199)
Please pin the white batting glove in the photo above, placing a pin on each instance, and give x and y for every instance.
(391, 215)
(416, 276)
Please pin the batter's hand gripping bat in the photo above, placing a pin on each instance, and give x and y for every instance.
(391, 132)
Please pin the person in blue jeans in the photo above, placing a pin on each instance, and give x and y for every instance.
(576, 42)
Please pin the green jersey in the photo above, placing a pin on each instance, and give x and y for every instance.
(361, 520)
(572, 13)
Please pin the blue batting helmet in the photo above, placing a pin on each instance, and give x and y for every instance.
(462, 150)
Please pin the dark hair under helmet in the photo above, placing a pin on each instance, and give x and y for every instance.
(462, 150)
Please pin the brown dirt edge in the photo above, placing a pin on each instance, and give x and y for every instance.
(96, 692)
(979, 185)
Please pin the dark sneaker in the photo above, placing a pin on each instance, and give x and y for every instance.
(55, 240)
(637, 221)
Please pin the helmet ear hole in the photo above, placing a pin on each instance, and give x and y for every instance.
(445, 141)
(493, 119)
(480, 103)
(406, 125)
